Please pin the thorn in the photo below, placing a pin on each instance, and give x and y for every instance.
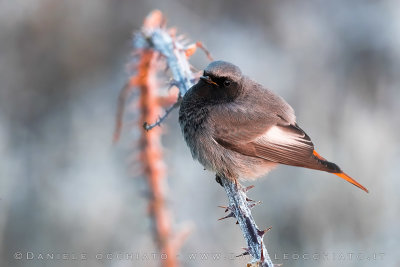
(249, 200)
(252, 205)
(208, 54)
(224, 207)
(190, 50)
(161, 119)
(263, 232)
(219, 180)
(227, 216)
(246, 252)
(247, 188)
(262, 252)
(172, 84)
(243, 254)
(237, 222)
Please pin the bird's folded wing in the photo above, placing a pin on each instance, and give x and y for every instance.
(285, 144)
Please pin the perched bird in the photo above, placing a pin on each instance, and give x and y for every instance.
(240, 130)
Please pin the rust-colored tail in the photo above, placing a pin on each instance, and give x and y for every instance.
(350, 180)
(333, 168)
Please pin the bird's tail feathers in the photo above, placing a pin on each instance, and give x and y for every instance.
(334, 169)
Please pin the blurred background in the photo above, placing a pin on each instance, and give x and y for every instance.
(64, 188)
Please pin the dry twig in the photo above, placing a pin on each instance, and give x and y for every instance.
(150, 104)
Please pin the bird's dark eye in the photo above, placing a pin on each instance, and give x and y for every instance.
(227, 82)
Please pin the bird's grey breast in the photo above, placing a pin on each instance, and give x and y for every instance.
(193, 115)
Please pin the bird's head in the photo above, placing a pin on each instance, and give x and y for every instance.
(221, 81)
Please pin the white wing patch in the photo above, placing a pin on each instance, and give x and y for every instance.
(279, 136)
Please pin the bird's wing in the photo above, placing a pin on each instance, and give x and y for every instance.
(286, 144)
(267, 130)
(281, 143)
(272, 137)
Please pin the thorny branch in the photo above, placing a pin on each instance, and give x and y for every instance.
(240, 208)
(176, 54)
(149, 105)
(148, 127)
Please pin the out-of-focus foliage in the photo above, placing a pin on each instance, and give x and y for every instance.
(65, 189)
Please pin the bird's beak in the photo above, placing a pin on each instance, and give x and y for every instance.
(207, 79)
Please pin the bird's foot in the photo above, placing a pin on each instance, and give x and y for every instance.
(218, 180)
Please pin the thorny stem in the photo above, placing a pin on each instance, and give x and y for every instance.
(176, 56)
(151, 157)
(240, 207)
(149, 106)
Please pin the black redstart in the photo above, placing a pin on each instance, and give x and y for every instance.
(239, 129)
